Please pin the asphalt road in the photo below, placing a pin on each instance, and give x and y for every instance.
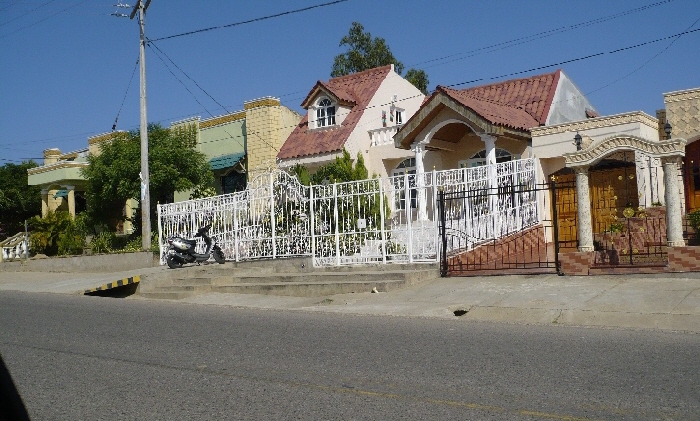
(90, 358)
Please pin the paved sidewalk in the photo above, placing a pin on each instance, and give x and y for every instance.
(660, 301)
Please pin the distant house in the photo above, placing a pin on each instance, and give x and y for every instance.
(237, 145)
(682, 113)
(360, 112)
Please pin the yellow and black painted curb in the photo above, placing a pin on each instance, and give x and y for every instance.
(120, 283)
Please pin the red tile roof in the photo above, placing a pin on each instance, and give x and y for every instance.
(518, 103)
(356, 90)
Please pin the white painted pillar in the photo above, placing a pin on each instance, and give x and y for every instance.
(674, 223)
(584, 222)
(490, 146)
(422, 215)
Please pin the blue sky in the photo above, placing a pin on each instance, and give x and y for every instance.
(65, 64)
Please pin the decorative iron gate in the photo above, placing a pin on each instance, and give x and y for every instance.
(379, 220)
(516, 240)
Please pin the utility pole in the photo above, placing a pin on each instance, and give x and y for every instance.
(141, 7)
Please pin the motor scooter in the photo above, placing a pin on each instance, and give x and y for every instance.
(182, 250)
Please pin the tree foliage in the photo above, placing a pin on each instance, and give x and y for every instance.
(18, 201)
(113, 175)
(339, 171)
(365, 52)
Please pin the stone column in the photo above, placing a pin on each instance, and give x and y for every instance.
(584, 222)
(420, 185)
(71, 200)
(44, 202)
(674, 223)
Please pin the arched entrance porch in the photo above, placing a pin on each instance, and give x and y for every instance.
(623, 196)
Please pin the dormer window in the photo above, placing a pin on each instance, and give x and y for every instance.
(325, 113)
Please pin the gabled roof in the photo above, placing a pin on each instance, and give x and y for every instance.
(516, 105)
(533, 94)
(356, 91)
(494, 112)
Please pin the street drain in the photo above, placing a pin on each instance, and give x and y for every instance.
(460, 312)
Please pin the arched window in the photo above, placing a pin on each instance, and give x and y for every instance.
(407, 166)
(325, 113)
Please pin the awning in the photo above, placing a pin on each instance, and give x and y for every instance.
(226, 161)
(60, 193)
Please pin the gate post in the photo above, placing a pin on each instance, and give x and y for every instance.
(236, 238)
(313, 225)
(381, 220)
(585, 228)
(337, 225)
(674, 223)
(443, 233)
(555, 225)
(272, 216)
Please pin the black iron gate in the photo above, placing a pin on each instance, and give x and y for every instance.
(502, 230)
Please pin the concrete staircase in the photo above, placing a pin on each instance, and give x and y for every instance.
(291, 277)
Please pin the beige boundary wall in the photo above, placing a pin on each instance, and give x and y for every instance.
(99, 263)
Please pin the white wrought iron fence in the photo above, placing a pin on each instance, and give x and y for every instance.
(393, 219)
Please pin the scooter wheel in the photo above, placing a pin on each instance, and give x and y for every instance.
(219, 256)
(173, 263)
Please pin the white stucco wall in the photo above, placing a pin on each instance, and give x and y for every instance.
(408, 98)
(568, 104)
(554, 141)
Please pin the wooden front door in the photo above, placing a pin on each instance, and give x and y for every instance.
(691, 176)
(612, 190)
(567, 210)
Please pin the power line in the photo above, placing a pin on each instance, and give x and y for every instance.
(8, 6)
(576, 59)
(539, 35)
(114, 126)
(304, 9)
(25, 14)
(42, 20)
(675, 36)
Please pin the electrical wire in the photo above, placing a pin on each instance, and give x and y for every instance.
(533, 37)
(42, 20)
(25, 14)
(304, 9)
(575, 59)
(114, 126)
(8, 6)
(675, 37)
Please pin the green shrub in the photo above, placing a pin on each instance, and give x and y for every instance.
(694, 221)
(71, 242)
(103, 242)
(47, 231)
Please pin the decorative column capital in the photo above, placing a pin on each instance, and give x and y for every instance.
(667, 160)
(487, 137)
(582, 169)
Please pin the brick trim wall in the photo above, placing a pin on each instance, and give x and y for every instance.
(576, 263)
(684, 259)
